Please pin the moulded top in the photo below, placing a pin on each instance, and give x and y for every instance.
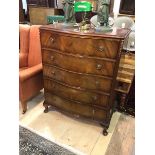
(117, 33)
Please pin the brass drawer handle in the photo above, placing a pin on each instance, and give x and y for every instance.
(95, 98)
(51, 39)
(97, 83)
(53, 72)
(98, 66)
(101, 48)
(52, 57)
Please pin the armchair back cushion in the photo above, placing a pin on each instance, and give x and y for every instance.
(24, 31)
(34, 57)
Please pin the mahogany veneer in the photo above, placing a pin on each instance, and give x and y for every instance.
(80, 71)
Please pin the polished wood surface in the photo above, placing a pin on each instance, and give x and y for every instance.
(76, 79)
(76, 93)
(76, 109)
(74, 63)
(86, 46)
(80, 70)
(117, 33)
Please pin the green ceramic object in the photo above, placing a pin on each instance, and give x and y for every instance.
(82, 6)
(103, 29)
(69, 14)
(55, 18)
(103, 16)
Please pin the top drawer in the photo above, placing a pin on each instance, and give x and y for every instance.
(98, 47)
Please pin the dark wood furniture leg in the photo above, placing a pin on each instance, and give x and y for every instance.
(46, 107)
(105, 132)
(24, 107)
(105, 128)
(122, 101)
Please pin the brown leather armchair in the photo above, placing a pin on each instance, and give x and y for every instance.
(30, 64)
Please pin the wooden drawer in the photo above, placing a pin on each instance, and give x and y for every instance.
(75, 94)
(74, 108)
(69, 106)
(50, 40)
(82, 46)
(78, 80)
(79, 64)
(99, 114)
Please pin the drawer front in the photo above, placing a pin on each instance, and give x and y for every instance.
(78, 64)
(99, 114)
(83, 46)
(75, 94)
(68, 106)
(78, 80)
(77, 109)
(50, 40)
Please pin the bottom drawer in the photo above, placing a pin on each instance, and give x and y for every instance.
(75, 94)
(75, 108)
(99, 115)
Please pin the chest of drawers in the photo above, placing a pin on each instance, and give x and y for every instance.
(79, 71)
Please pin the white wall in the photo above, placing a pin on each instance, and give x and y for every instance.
(116, 7)
(24, 5)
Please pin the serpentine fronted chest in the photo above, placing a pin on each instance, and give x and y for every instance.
(79, 71)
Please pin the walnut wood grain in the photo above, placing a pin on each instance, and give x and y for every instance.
(78, 80)
(117, 33)
(76, 109)
(80, 69)
(76, 94)
(85, 46)
(78, 64)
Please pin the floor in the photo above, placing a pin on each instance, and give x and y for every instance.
(80, 136)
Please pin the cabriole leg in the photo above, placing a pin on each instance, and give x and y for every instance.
(24, 107)
(105, 133)
(46, 107)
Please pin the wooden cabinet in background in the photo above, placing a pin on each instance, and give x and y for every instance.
(21, 12)
(38, 15)
(125, 85)
(127, 7)
(130, 99)
(33, 2)
(79, 71)
(41, 3)
(46, 4)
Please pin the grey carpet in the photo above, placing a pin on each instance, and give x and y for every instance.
(32, 144)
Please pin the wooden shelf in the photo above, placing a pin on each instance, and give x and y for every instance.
(123, 80)
(126, 72)
(122, 91)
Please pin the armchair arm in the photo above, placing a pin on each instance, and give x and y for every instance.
(23, 60)
(30, 72)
